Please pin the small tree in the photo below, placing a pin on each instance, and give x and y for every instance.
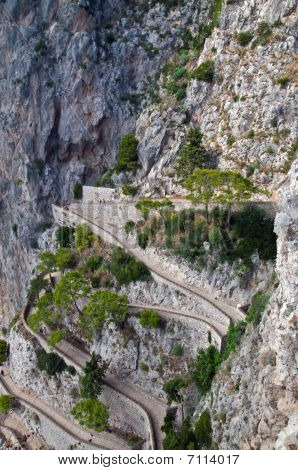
(145, 205)
(150, 319)
(50, 363)
(127, 153)
(65, 259)
(65, 237)
(37, 284)
(3, 350)
(206, 365)
(71, 287)
(174, 389)
(192, 155)
(91, 413)
(92, 381)
(6, 402)
(203, 431)
(83, 237)
(46, 312)
(47, 262)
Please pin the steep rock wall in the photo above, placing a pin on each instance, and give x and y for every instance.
(253, 400)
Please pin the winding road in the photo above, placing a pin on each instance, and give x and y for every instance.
(151, 408)
(228, 311)
(102, 440)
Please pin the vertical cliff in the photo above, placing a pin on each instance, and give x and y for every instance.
(253, 400)
(74, 76)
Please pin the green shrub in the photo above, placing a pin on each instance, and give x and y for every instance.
(3, 350)
(244, 38)
(145, 205)
(6, 402)
(205, 71)
(65, 259)
(143, 239)
(173, 389)
(150, 319)
(206, 365)
(179, 73)
(127, 154)
(15, 230)
(215, 236)
(65, 237)
(258, 305)
(106, 180)
(129, 190)
(127, 269)
(91, 383)
(177, 350)
(252, 167)
(283, 81)
(264, 32)
(203, 431)
(40, 46)
(56, 336)
(83, 237)
(91, 413)
(234, 334)
(178, 440)
(78, 191)
(129, 226)
(50, 363)
(94, 262)
(144, 367)
(230, 140)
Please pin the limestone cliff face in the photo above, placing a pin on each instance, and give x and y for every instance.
(74, 76)
(246, 115)
(253, 400)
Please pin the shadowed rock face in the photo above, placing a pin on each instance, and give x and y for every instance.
(73, 79)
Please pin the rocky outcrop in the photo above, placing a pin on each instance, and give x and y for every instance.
(246, 115)
(253, 400)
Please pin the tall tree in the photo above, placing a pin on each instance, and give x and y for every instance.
(92, 381)
(127, 153)
(192, 155)
(220, 187)
(203, 185)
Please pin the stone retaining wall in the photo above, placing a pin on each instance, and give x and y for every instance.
(93, 195)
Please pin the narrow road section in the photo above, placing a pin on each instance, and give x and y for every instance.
(102, 440)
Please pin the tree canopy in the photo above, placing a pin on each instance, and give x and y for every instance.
(91, 413)
(220, 187)
(71, 287)
(65, 259)
(92, 381)
(103, 306)
(47, 262)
